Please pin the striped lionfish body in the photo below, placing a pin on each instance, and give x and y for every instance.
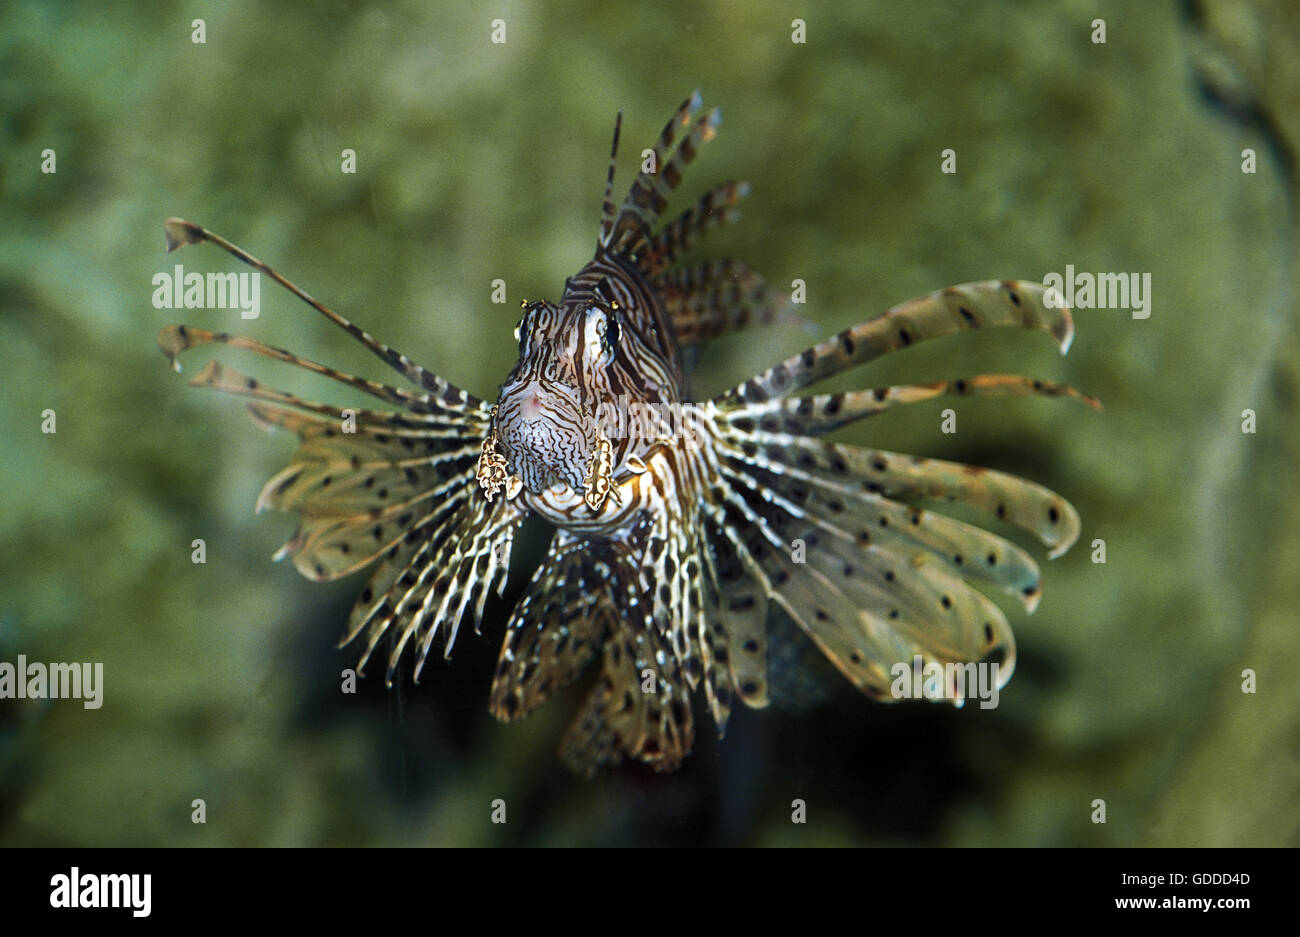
(676, 521)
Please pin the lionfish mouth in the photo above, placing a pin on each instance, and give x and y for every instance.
(541, 456)
(545, 438)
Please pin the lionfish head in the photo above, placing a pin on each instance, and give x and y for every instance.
(547, 425)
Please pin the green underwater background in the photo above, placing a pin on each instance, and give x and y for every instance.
(477, 161)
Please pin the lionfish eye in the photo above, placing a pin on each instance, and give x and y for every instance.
(602, 289)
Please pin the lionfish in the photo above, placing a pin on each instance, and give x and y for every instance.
(681, 526)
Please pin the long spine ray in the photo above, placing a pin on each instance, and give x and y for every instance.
(959, 308)
(608, 210)
(822, 413)
(175, 340)
(180, 232)
(715, 207)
